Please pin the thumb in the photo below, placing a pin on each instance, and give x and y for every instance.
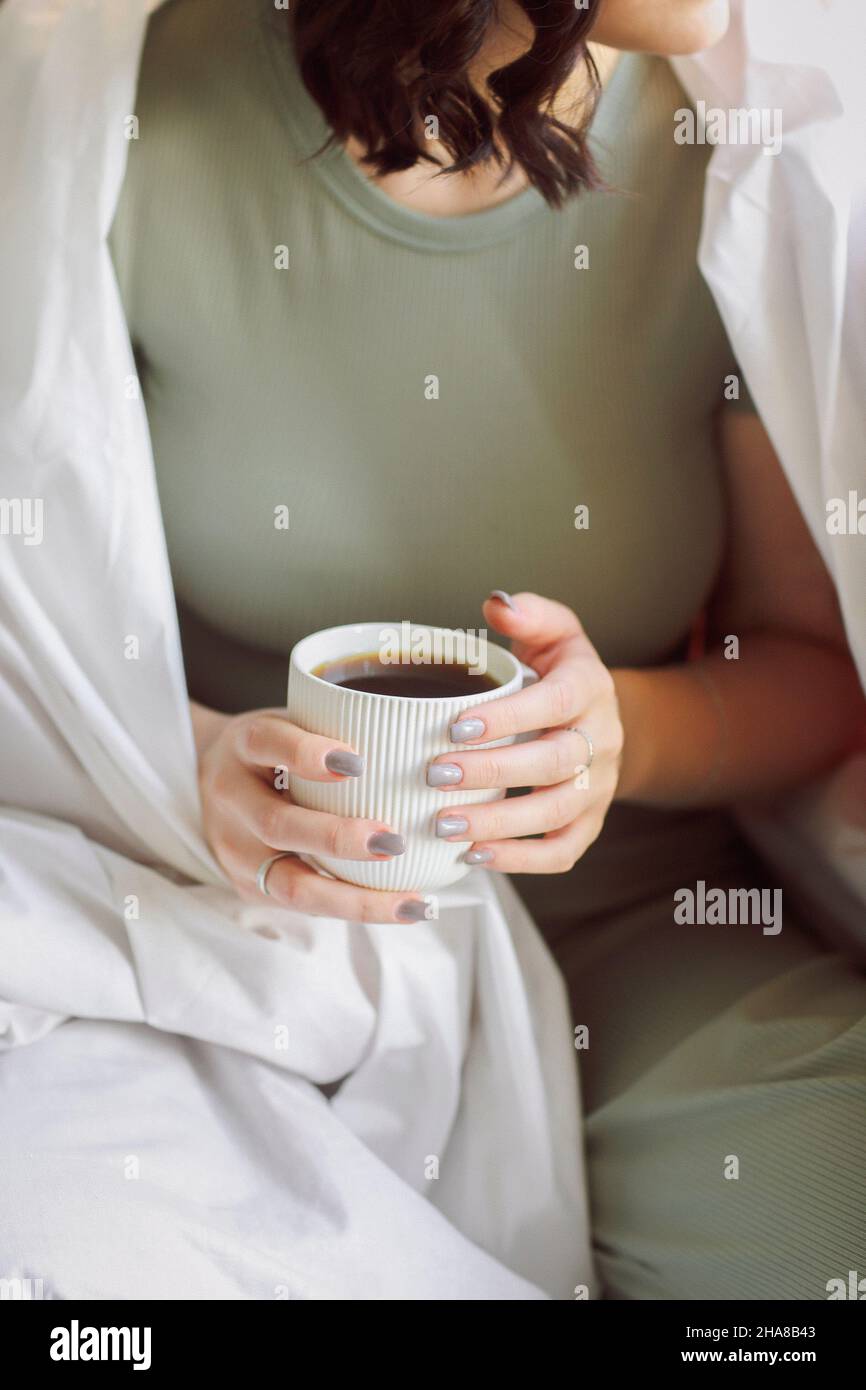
(529, 619)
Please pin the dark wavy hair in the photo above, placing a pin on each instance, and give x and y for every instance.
(378, 68)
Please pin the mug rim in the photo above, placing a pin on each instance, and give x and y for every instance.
(294, 664)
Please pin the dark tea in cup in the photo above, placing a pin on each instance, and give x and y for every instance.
(412, 679)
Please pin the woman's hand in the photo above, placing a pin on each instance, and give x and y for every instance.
(247, 820)
(570, 799)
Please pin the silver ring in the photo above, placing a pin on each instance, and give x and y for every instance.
(264, 869)
(575, 729)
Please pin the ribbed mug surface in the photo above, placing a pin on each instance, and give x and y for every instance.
(398, 736)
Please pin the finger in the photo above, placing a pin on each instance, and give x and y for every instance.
(543, 632)
(555, 700)
(270, 740)
(279, 824)
(555, 853)
(531, 618)
(553, 757)
(293, 884)
(548, 809)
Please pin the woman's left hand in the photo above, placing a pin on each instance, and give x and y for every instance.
(573, 775)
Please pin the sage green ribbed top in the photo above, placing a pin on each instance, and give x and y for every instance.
(426, 400)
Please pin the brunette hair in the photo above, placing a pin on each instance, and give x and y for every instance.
(378, 68)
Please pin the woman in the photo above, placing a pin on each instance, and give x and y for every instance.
(445, 390)
(511, 362)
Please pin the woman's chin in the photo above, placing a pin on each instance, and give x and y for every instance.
(670, 28)
(703, 24)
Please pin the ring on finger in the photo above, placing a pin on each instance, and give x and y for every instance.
(577, 729)
(264, 869)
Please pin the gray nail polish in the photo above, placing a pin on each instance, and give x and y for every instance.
(386, 842)
(478, 856)
(412, 911)
(444, 775)
(465, 729)
(340, 760)
(505, 598)
(451, 825)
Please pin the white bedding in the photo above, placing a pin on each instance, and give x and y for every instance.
(184, 1151)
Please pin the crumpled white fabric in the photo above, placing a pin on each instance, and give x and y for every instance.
(783, 249)
(449, 1163)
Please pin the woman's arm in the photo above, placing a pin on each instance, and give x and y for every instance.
(720, 729)
(707, 732)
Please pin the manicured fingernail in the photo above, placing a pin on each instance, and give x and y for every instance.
(478, 856)
(444, 774)
(465, 729)
(505, 598)
(412, 910)
(386, 842)
(451, 825)
(340, 760)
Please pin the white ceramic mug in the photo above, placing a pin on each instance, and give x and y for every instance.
(398, 736)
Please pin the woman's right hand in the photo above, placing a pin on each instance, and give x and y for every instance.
(247, 819)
